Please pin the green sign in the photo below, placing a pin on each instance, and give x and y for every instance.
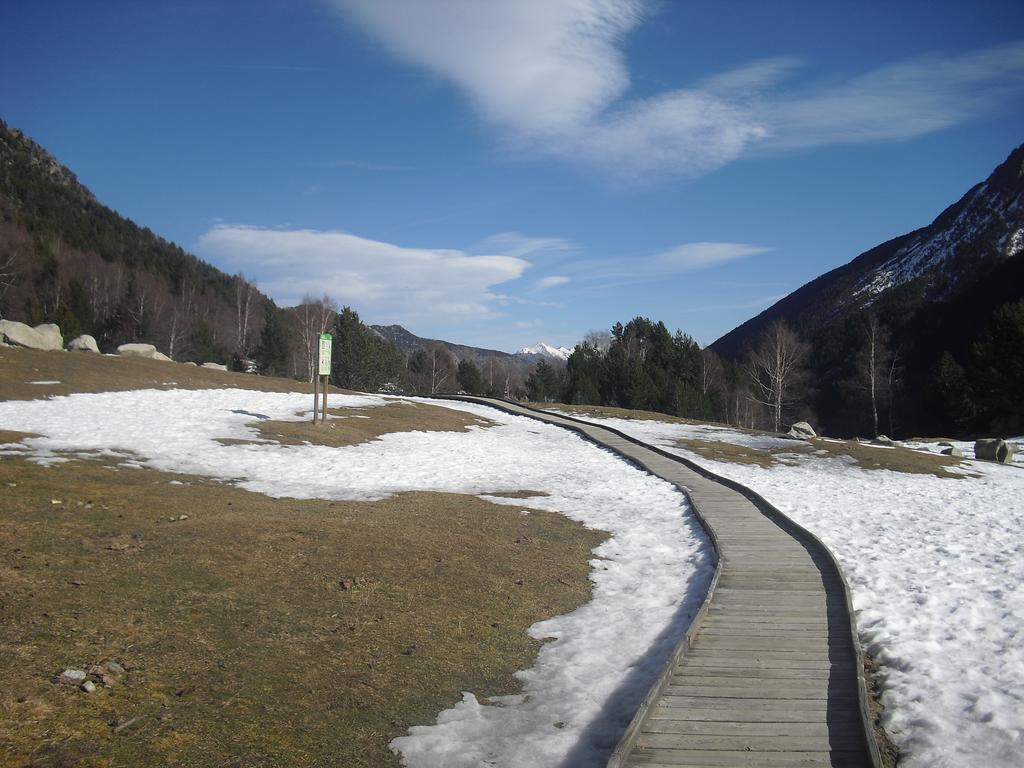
(325, 354)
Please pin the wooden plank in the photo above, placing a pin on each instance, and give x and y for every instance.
(774, 743)
(663, 758)
(770, 675)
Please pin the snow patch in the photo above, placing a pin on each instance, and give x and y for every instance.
(936, 570)
(649, 577)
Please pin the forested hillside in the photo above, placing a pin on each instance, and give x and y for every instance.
(68, 259)
(936, 315)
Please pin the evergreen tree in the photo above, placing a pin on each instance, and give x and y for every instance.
(271, 355)
(949, 395)
(361, 360)
(544, 384)
(997, 371)
(469, 377)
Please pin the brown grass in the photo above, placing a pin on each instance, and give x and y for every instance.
(352, 426)
(897, 459)
(256, 631)
(85, 372)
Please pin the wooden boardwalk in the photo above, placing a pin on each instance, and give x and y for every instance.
(770, 672)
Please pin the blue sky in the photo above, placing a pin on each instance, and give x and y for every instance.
(501, 173)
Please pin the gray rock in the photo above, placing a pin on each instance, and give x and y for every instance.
(72, 676)
(994, 449)
(84, 343)
(147, 351)
(88, 686)
(215, 366)
(802, 431)
(882, 440)
(44, 337)
(51, 334)
(114, 668)
(953, 451)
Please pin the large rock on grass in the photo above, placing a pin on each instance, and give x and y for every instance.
(45, 337)
(84, 343)
(147, 351)
(215, 366)
(994, 449)
(802, 431)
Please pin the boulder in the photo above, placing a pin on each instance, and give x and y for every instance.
(953, 451)
(882, 440)
(84, 343)
(802, 431)
(994, 449)
(215, 366)
(44, 337)
(147, 351)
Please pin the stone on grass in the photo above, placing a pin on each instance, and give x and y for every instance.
(953, 451)
(882, 440)
(802, 431)
(72, 676)
(215, 366)
(84, 343)
(88, 686)
(45, 337)
(995, 449)
(147, 351)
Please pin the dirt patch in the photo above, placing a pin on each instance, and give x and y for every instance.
(85, 372)
(886, 749)
(717, 450)
(258, 631)
(8, 436)
(896, 459)
(351, 426)
(583, 411)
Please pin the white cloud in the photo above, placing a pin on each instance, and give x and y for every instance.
(551, 282)
(692, 256)
(385, 282)
(551, 76)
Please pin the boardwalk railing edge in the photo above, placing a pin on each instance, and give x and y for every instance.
(785, 522)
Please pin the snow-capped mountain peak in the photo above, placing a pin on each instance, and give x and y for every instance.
(545, 350)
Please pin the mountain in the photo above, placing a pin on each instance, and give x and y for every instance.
(492, 362)
(67, 258)
(935, 291)
(542, 351)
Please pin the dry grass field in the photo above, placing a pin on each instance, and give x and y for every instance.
(253, 631)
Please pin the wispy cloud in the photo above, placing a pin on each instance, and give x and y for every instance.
(387, 282)
(691, 256)
(551, 77)
(272, 67)
(550, 282)
(518, 244)
(362, 165)
(758, 303)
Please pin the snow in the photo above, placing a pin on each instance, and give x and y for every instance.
(936, 568)
(936, 249)
(546, 350)
(45, 383)
(648, 578)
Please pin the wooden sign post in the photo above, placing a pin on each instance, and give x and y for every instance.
(324, 371)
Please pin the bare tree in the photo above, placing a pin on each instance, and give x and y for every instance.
(873, 372)
(244, 291)
(599, 340)
(710, 370)
(313, 317)
(8, 276)
(873, 363)
(776, 370)
(441, 367)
